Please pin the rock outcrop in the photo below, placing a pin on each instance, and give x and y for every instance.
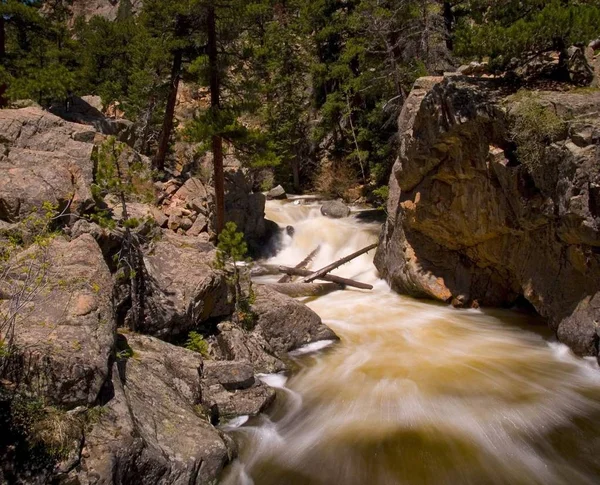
(43, 159)
(103, 8)
(65, 328)
(153, 428)
(182, 288)
(133, 407)
(470, 223)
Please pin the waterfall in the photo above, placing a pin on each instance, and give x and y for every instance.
(416, 392)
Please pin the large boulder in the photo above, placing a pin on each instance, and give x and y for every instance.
(282, 325)
(64, 335)
(276, 193)
(87, 111)
(182, 288)
(285, 323)
(235, 343)
(43, 159)
(470, 221)
(154, 428)
(230, 389)
(581, 72)
(335, 209)
(247, 210)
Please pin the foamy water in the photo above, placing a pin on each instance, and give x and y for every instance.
(417, 392)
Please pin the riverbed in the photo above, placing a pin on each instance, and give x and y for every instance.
(416, 392)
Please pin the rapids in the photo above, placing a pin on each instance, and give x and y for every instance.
(417, 392)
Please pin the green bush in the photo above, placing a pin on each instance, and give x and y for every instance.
(196, 343)
(535, 126)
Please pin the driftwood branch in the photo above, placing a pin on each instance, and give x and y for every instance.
(297, 290)
(323, 271)
(302, 265)
(328, 277)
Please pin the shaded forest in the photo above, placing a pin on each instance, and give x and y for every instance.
(310, 89)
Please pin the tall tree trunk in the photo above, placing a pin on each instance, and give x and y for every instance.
(215, 104)
(167, 128)
(3, 87)
(449, 23)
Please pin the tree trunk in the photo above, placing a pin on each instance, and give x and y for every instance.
(303, 290)
(326, 277)
(215, 104)
(133, 261)
(449, 23)
(144, 126)
(3, 87)
(167, 128)
(301, 265)
(322, 272)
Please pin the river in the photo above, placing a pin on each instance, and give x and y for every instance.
(417, 392)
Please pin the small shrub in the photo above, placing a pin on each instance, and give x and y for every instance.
(231, 250)
(44, 429)
(57, 431)
(381, 195)
(535, 127)
(196, 343)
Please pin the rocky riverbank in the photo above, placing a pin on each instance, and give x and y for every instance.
(132, 406)
(494, 199)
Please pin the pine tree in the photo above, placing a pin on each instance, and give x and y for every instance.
(520, 30)
(36, 53)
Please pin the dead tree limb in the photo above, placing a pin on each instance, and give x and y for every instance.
(320, 273)
(297, 290)
(302, 265)
(328, 277)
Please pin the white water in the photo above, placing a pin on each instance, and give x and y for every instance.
(417, 392)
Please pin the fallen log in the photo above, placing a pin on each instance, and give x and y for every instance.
(297, 290)
(302, 265)
(329, 277)
(323, 271)
(265, 270)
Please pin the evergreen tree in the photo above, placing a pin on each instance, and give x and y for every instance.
(514, 30)
(36, 52)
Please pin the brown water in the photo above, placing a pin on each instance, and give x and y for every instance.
(417, 392)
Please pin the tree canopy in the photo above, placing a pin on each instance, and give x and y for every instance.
(310, 88)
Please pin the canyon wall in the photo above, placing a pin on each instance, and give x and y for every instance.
(482, 213)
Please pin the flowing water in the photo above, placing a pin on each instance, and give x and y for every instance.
(417, 392)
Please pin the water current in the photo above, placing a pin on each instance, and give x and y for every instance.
(416, 392)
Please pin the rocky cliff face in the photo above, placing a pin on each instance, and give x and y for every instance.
(135, 408)
(478, 216)
(103, 8)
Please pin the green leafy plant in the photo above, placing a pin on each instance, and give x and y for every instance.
(381, 195)
(231, 251)
(196, 343)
